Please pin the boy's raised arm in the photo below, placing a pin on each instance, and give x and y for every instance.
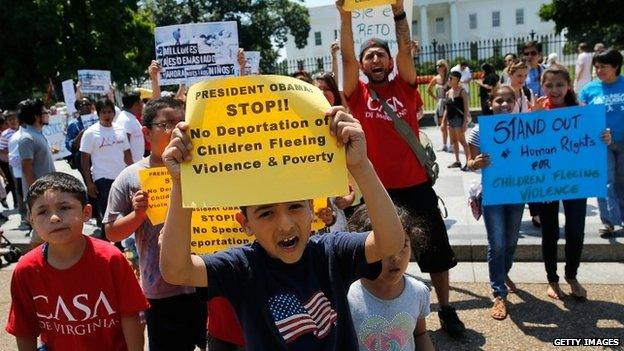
(177, 265)
(387, 237)
(404, 61)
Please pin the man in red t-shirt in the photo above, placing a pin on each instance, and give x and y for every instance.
(397, 166)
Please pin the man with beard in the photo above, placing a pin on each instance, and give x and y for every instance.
(398, 168)
(34, 151)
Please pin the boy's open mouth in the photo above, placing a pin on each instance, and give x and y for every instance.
(377, 70)
(288, 243)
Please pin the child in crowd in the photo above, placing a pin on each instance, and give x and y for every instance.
(389, 312)
(502, 222)
(557, 88)
(289, 290)
(76, 292)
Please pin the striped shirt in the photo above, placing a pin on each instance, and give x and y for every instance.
(473, 137)
(4, 143)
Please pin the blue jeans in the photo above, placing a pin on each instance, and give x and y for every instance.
(502, 223)
(612, 207)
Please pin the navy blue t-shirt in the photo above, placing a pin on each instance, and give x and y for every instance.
(301, 306)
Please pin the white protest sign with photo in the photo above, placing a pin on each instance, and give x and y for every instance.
(54, 131)
(189, 53)
(69, 95)
(94, 81)
(252, 65)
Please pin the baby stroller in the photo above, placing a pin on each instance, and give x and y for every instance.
(10, 252)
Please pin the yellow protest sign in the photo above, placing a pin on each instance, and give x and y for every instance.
(352, 5)
(212, 229)
(259, 140)
(156, 182)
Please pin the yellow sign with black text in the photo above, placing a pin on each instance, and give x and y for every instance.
(352, 5)
(260, 140)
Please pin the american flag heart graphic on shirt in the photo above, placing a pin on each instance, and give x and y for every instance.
(294, 319)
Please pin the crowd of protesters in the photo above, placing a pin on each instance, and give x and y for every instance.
(220, 302)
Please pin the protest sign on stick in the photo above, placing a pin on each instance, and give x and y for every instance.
(544, 156)
(351, 5)
(252, 59)
(189, 53)
(212, 228)
(69, 95)
(260, 140)
(94, 81)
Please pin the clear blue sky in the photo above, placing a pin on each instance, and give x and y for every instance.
(314, 3)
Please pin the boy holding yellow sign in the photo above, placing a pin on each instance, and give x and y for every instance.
(288, 292)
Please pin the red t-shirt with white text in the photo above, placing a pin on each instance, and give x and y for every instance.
(79, 308)
(393, 159)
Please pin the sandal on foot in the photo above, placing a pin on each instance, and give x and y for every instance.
(454, 165)
(499, 309)
(555, 292)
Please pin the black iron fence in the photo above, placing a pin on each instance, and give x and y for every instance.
(475, 53)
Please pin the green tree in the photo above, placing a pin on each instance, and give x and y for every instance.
(587, 20)
(263, 25)
(50, 39)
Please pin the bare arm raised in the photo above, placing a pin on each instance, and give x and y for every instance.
(350, 65)
(404, 61)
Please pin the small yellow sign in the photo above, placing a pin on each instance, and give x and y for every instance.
(352, 5)
(260, 140)
(156, 182)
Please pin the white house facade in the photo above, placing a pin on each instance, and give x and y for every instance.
(445, 21)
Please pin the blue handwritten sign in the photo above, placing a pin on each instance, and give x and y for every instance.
(544, 156)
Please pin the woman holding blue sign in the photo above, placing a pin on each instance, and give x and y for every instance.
(609, 91)
(557, 88)
(502, 222)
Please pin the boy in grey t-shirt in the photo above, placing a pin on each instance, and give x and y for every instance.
(389, 312)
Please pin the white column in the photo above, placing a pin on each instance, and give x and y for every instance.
(454, 20)
(424, 26)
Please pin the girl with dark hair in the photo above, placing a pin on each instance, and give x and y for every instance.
(502, 222)
(456, 114)
(489, 81)
(326, 82)
(439, 82)
(609, 90)
(557, 88)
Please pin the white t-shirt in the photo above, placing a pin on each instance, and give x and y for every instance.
(106, 145)
(14, 157)
(131, 125)
(585, 76)
(375, 320)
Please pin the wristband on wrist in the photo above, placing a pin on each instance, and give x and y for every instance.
(400, 16)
